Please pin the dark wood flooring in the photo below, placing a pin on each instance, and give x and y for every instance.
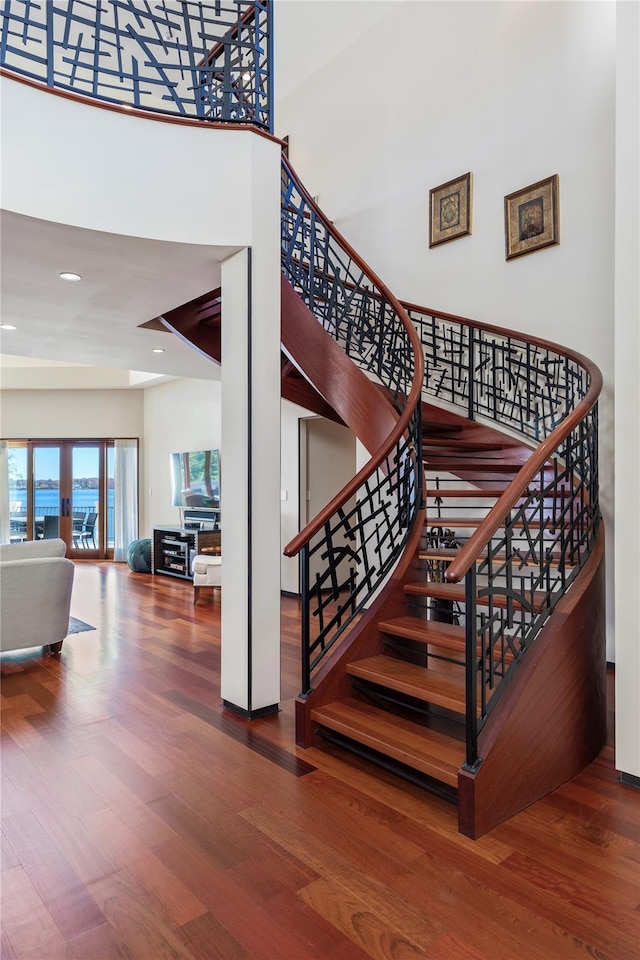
(140, 821)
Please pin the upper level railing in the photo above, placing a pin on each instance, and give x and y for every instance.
(532, 544)
(349, 548)
(206, 60)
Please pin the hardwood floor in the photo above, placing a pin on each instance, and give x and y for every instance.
(141, 821)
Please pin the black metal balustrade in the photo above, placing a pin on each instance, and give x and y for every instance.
(207, 60)
(535, 540)
(346, 558)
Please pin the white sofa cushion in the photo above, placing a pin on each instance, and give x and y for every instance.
(29, 549)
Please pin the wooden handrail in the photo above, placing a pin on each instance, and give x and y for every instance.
(413, 399)
(218, 47)
(496, 517)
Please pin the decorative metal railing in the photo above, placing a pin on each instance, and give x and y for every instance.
(207, 60)
(349, 549)
(532, 544)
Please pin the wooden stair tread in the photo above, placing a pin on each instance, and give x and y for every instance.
(451, 464)
(416, 746)
(430, 426)
(463, 522)
(447, 637)
(413, 680)
(488, 493)
(426, 631)
(438, 553)
(448, 554)
(456, 492)
(461, 443)
(456, 592)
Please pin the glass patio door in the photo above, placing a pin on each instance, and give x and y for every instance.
(87, 501)
(47, 507)
(58, 489)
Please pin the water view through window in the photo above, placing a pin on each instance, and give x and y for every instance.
(82, 491)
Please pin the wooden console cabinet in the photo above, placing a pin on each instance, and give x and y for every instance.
(172, 546)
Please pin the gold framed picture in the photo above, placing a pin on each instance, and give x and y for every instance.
(450, 210)
(531, 218)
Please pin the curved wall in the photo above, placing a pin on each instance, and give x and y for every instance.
(119, 173)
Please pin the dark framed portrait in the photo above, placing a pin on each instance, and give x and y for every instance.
(531, 218)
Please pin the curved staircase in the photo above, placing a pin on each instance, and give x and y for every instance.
(453, 592)
(441, 639)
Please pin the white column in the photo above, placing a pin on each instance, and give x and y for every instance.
(250, 480)
(627, 362)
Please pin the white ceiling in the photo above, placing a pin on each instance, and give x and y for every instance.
(126, 281)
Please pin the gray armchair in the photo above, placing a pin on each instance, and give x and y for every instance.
(35, 594)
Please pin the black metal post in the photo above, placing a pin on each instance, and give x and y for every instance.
(305, 626)
(470, 373)
(471, 671)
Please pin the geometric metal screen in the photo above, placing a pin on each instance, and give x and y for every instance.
(207, 60)
(514, 380)
(516, 576)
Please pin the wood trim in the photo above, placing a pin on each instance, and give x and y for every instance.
(344, 386)
(218, 47)
(198, 324)
(551, 721)
(137, 112)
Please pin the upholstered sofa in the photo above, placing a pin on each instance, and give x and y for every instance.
(35, 594)
(207, 572)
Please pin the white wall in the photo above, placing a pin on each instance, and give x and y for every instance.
(69, 414)
(291, 414)
(122, 174)
(179, 415)
(627, 558)
(513, 92)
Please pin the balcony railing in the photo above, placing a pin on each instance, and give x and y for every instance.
(533, 543)
(206, 60)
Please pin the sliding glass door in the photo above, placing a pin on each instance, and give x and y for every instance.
(63, 489)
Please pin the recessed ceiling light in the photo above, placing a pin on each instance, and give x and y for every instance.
(70, 276)
(7, 326)
(157, 350)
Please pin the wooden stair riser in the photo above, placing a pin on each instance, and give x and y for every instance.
(445, 555)
(550, 524)
(489, 493)
(455, 592)
(435, 635)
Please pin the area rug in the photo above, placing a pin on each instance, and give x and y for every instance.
(78, 626)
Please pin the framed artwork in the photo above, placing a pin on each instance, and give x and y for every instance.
(531, 218)
(450, 210)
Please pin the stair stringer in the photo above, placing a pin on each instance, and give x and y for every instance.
(550, 723)
(364, 639)
(342, 384)
(198, 323)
